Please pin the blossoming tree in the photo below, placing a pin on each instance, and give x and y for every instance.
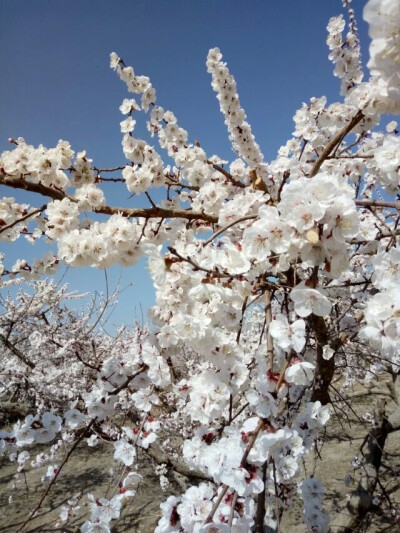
(273, 277)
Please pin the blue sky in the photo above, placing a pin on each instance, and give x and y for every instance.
(54, 58)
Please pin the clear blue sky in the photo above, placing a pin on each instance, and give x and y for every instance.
(54, 58)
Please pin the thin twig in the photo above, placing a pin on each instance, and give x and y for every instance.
(232, 511)
(213, 273)
(215, 506)
(28, 215)
(335, 141)
(222, 230)
(153, 212)
(375, 203)
(128, 380)
(268, 320)
(16, 352)
(57, 473)
(226, 174)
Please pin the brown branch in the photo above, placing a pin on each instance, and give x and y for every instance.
(85, 363)
(375, 203)
(282, 373)
(252, 440)
(153, 212)
(249, 446)
(156, 212)
(232, 511)
(150, 199)
(160, 457)
(197, 267)
(278, 527)
(222, 230)
(286, 176)
(16, 352)
(224, 489)
(227, 174)
(382, 235)
(128, 380)
(324, 368)
(173, 183)
(100, 170)
(66, 458)
(99, 178)
(21, 183)
(335, 141)
(240, 411)
(260, 512)
(352, 156)
(239, 333)
(28, 215)
(268, 320)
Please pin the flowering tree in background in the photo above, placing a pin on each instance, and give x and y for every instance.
(272, 279)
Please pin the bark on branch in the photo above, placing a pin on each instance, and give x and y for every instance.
(153, 212)
(335, 141)
(160, 457)
(16, 352)
(324, 369)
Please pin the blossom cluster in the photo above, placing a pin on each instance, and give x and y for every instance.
(344, 54)
(312, 492)
(383, 18)
(241, 136)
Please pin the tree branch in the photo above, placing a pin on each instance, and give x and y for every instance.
(66, 458)
(16, 352)
(335, 141)
(375, 203)
(227, 175)
(160, 457)
(18, 220)
(222, 230)
(153, 212)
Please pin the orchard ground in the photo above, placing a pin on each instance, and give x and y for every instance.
(88, 471)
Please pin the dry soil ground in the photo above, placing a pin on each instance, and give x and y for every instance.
(88, 471)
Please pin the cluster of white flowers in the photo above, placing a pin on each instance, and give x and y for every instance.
(386, 163)
(102, 243)
(135, 84)
(344, 54)
(189, 512)
(10, 212)
(89, 197)
(383, 17)
(382, 312)
(63, 217)
(39, 165)
(241, 136)
(82, 172)
(312, 493)
(314, 220)
(104, 510)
